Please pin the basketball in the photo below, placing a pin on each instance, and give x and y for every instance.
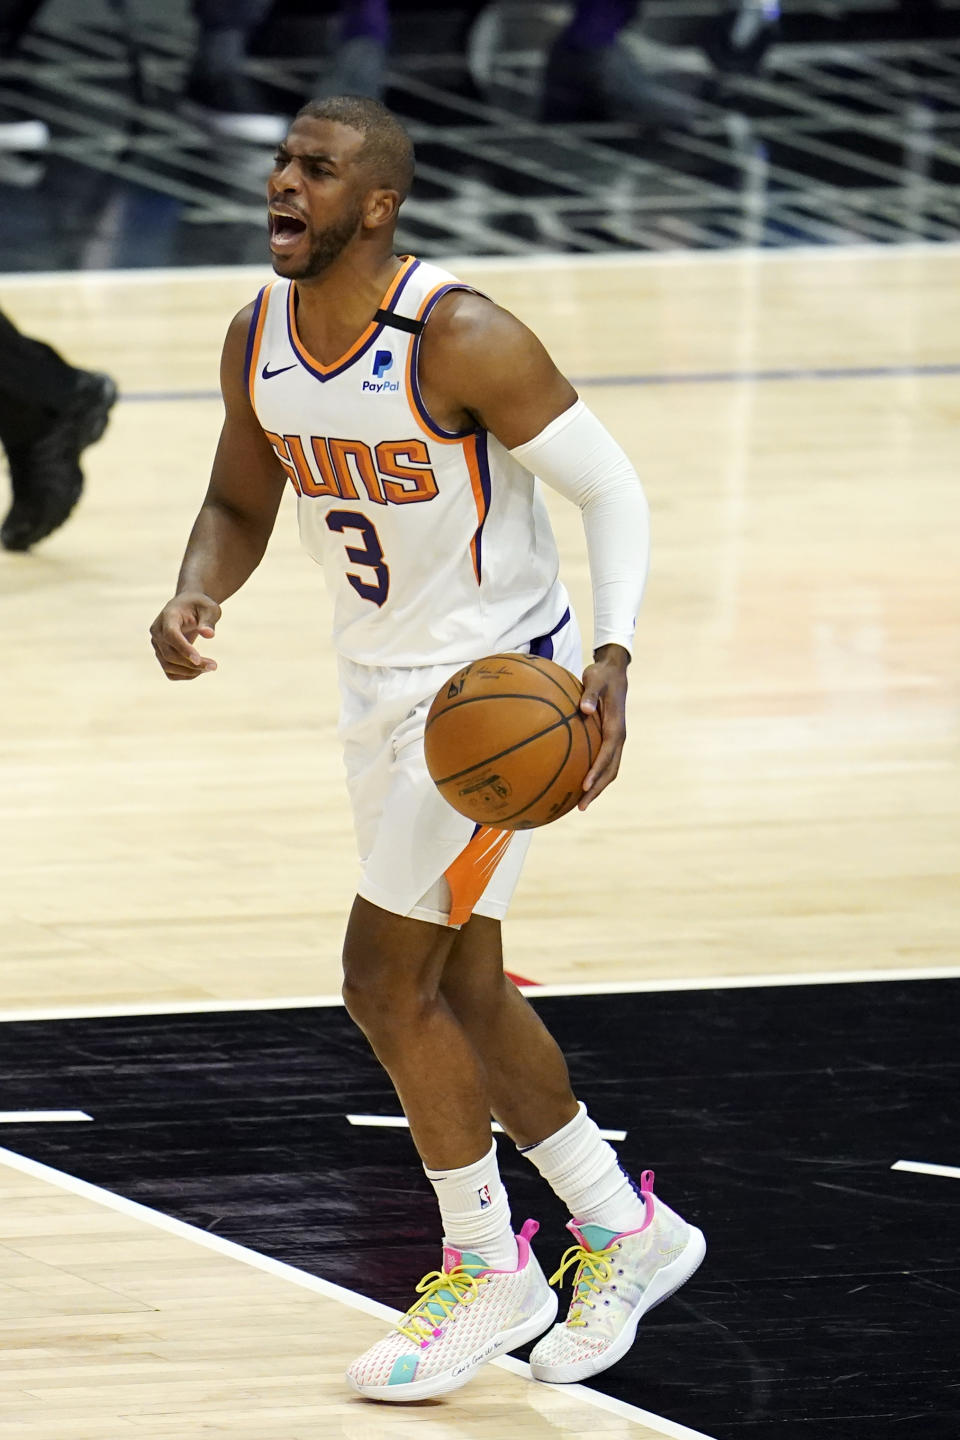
(506, 743)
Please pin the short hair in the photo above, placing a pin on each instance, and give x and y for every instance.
(387, 150)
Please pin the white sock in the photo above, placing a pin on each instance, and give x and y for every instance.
(580, 1167)
(476, 1212)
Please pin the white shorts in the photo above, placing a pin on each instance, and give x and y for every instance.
(419, 856)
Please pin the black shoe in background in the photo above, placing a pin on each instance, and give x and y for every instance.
(45, 472)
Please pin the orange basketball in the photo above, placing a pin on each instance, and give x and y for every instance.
(507, 744)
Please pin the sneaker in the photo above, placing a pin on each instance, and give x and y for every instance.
(466, 1316)
(45, 472)
(618, 1279)
(738, 41)
(228, 104)
(17, 133)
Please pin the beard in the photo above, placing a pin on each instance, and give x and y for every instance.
(327, 246)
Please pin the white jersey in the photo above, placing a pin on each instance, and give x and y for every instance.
(436, 544)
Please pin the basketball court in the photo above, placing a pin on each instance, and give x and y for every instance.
(748, 946)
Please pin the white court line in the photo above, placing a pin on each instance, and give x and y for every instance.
(545, 260)
(601, 987)
(400, 1122)
(920, 1167)
(352, 1298)
(743, 982)
(31, 1117)
(173, 1007)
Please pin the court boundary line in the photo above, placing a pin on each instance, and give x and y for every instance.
(548, 259)
(926, 1167)
(599, 987)
(660, 1424)
(656, 379)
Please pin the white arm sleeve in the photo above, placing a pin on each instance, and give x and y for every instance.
(578, 457)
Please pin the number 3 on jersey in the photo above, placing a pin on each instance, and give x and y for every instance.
(370, 556)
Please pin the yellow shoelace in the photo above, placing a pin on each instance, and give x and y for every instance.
(594, 1268)
(445, 1289)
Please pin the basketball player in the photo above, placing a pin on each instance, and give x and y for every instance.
(411, 414)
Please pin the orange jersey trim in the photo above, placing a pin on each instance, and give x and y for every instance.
(362, 340)
(470, 873)
(479, 498)
(253, 353)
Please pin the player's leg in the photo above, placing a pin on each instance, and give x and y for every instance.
(392, 972)
(529, 1085)
(632, 1250)
(490, 1295)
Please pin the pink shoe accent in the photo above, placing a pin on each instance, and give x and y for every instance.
(452, 1257)
(646, 1195)
(528, 1229)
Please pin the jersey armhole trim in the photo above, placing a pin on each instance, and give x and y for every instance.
(254, 339)
(478, 468)
(414, 397)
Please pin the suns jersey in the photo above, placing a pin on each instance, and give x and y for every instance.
(436, 544)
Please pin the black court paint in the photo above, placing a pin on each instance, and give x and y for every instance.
(828, 1303)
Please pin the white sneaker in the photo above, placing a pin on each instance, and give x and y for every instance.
(618, 1279)
(468, 1314)
(19, 134)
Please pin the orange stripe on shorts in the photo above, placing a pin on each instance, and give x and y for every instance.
(472, 870)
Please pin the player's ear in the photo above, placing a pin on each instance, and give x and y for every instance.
(380, 208)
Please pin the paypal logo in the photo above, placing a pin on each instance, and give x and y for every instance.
(382, 361)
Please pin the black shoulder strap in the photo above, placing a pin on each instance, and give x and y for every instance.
(399, 322)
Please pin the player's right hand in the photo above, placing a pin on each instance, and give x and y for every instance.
(172, 634)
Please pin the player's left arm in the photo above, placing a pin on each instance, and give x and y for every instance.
(484, 365)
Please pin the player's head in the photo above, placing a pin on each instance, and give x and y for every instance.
(338, 179)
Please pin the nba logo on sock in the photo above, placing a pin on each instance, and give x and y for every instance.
(382, 361)
(484, 1197)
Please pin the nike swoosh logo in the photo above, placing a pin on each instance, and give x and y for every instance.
(267, 374)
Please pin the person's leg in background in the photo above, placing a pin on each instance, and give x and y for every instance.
(360, 57)
(17, 130)
(217, 84)
(739, 39)
(50, 412)
(591, 75)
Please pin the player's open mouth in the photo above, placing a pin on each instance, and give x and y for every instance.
(286, 230)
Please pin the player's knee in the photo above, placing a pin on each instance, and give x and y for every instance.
(386, 1009)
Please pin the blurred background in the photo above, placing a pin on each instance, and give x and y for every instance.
(133, 133)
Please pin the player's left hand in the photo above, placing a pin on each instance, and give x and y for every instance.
(605, 692)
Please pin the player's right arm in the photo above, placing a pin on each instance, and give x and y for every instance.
(230, 533)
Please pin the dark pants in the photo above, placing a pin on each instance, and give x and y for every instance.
(35, 384)
(231, 14)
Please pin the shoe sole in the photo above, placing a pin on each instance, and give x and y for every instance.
(449, 1380)
(665, 1283)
